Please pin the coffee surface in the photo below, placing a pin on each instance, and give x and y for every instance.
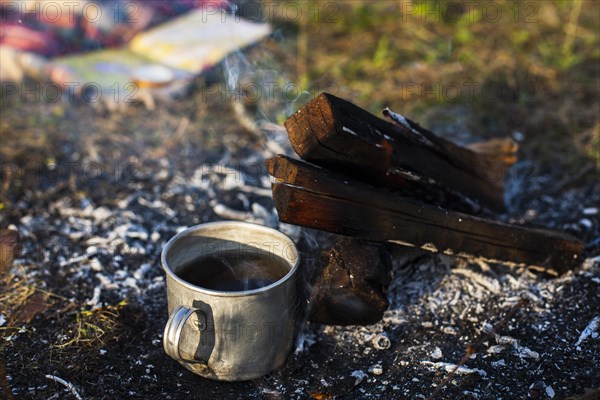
(234, 271)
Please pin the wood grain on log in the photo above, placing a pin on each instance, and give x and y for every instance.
(345, 138)
(315, 197)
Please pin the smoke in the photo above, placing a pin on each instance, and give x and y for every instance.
(261, 95)
(236, 65)
(258, 94)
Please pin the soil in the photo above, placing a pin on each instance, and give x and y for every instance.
(90, 198)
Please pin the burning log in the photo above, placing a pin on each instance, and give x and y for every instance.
(349, 291)
(400, 156)
(315, 197)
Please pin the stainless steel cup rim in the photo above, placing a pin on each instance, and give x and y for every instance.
(228, 224)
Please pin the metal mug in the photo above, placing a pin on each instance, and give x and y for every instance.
(236, 335)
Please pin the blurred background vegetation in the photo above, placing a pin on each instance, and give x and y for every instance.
(490, 67)
(464, 68)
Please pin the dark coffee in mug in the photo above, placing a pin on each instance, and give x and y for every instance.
(234, 271)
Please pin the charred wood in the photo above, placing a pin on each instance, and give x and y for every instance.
(315, 197)
(398, 155)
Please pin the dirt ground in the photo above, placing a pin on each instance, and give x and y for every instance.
(89, 198)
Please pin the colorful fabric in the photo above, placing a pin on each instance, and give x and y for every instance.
(52, 28)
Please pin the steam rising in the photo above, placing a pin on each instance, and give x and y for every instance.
(257, 98)
(235, 65)
(262, 97)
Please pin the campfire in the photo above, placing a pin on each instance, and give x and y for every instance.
(432, 170)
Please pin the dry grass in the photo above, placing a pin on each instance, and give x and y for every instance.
(15, 292)
(22, 301)
(93, 328)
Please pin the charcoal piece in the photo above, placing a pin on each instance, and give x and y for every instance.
(350, 290)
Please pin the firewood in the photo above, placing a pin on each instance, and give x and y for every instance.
(315, 197)
(350, 288)
(497, 153)
(345, 138)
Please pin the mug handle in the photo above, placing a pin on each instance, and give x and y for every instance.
(173, 329)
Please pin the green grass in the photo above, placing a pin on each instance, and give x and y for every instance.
(534, 58)
(374, 39)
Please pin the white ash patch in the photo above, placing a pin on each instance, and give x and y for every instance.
(542, 387)
(499, 363)
(360, 375)
(591, 330)
(381, 341)
(94, 302)
(376, 369)
(436, 354)
(304, 340)
(109, 250)
(449, 367)
(94, 242)
(517, 348)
